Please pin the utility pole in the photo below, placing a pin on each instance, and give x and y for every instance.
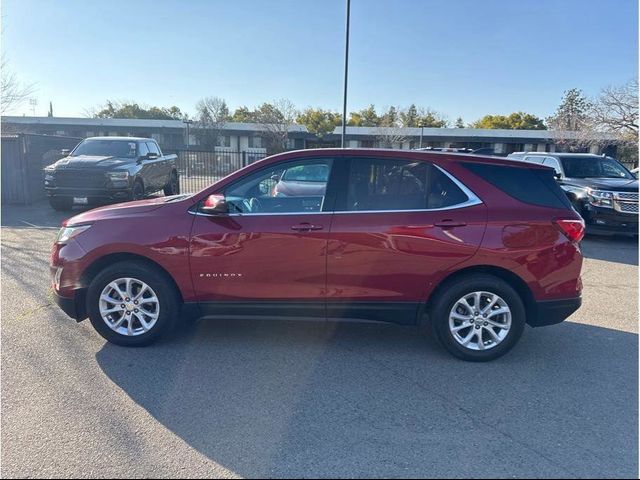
(346, 76)
(421, 134)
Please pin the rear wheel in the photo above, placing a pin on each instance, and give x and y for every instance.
(132, 304)
(60, 203)
(478, 318)
(173, 187)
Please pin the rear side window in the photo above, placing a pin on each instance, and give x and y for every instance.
(529, 185)
(394, 184)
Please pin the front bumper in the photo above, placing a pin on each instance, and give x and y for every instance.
(551, 312)
(93, 195)
(610, 221)
(73, 307)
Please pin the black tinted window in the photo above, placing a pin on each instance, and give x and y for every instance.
(391, 184)
(534, 186)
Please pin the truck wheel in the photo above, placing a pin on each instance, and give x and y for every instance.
(60, 204)
(478, 318)
(137, 193)
(132, 304)
(173, 187)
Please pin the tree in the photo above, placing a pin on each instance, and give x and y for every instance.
(211, 114)
(615, 112)
(573, 112)
(390, 135)
(390, 119)
(431, 118)
(459, 122)
(13, 93)
(117, 109)
(410, 117)
(244, 115)
(366, 117)
(318, 121)
(514, 121)
(276, 120)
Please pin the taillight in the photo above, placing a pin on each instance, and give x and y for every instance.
(572, 229)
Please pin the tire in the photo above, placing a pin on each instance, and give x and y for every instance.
(137, 192)
(159, 315)
(173, 187)
(60, 204)
(448, 313)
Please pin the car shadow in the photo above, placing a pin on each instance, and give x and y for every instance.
(617, 249)
(283, 399)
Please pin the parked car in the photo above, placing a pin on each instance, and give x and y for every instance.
(600, 188)
(479, 246)
(110, 169)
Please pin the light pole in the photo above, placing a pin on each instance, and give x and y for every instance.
(346, 70)
(421, 134)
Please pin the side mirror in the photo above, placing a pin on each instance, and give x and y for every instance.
(152, 156)
(275, 177)
(65, 152)
(215, 205)
(558, 175)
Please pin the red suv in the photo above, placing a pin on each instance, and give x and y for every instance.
(478, 246)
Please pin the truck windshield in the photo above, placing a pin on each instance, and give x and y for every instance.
(594, 167)
(106, 148)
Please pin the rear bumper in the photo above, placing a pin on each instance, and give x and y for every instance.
(551, 312)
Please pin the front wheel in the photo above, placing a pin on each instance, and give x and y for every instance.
(60, 204)
(173, 187)
(132, 304)
(478, 318)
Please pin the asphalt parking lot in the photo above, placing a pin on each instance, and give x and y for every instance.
(281, 399)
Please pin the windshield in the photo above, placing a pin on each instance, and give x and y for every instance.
(594, 167)
(106, 148)
(307, 173)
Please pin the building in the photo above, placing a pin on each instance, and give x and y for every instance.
(250, 137)
(170, 134)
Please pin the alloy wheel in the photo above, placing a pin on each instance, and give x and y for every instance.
(480, 320)
(129, 306)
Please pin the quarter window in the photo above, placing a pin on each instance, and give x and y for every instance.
(290, 187)
(392, 184)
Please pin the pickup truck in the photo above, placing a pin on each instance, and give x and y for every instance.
(102, 170)
(600, 189)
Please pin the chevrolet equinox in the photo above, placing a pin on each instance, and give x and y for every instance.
(478, 247)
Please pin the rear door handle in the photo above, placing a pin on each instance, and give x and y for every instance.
(305, 227)
(450, 224)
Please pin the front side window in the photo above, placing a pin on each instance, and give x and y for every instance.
(289, 187)
(153, 148)
(593, 167)
(392, 184)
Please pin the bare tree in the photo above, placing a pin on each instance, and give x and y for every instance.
(211, 115)
(13, 93)
(616, 109)
(390, 136)
(275, 120)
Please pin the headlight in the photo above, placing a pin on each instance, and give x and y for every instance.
(67, 233)
(118, 175)
(600, 198)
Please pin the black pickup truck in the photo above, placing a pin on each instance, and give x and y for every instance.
(103, 170)
(600, 188)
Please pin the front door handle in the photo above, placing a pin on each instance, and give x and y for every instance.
(450, 224)
(305, 227)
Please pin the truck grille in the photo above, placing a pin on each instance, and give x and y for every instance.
(626, 202)
(80, 179)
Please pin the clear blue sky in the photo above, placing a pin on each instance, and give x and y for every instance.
(460, 57)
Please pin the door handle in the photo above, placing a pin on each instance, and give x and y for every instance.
(450, 224)
(305, 227)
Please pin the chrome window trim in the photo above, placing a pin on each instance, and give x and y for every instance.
(472, 199)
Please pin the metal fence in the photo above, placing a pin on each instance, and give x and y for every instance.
(199, 169)
(24, 157)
